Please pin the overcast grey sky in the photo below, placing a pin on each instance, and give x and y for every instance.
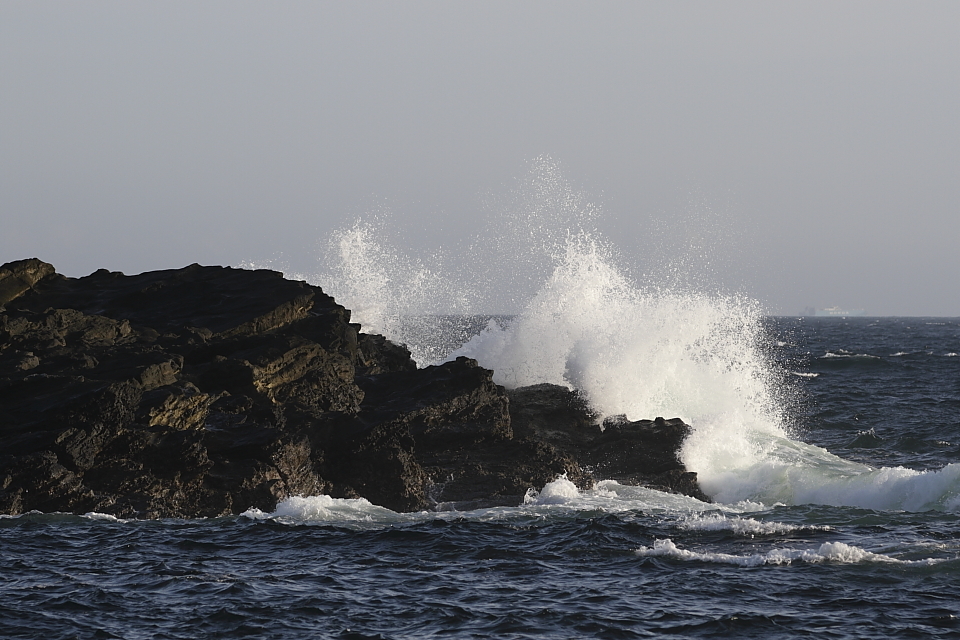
(816, 144)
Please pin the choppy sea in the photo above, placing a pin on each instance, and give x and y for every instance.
(835, 516)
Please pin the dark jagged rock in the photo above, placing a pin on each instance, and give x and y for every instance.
(644, 452)
(205, 391)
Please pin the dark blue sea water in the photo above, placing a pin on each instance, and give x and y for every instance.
(854, 543)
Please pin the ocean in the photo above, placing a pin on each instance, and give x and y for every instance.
(830, 446)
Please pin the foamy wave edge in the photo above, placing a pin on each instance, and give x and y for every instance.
(741, 526)
(323, 508)
(833, 552)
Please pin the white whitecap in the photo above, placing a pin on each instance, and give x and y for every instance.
(847, 354)
(325, 509)
(560, 491)
(740, 525)
(833, 552)
(103, 517)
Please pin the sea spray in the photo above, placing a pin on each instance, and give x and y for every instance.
(632, 351)
(394, 294)
(578, 319)
(497, 272)
(581, 321)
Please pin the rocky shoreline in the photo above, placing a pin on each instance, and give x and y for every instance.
(205, 391)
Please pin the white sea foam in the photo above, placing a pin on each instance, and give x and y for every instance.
(103, 517)
(326, 510)
(803, 374)
(832, 552)
(790, 472)
(556, 498)
(608, 496)
(846, 354)
(881, 489)
(560, 491)
(740, 525)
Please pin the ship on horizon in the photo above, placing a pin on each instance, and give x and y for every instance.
(832, 312)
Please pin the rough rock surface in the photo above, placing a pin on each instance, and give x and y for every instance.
(205, 391)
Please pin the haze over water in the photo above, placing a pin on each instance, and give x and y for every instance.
(822, 136)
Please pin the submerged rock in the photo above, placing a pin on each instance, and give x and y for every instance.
(205, 391)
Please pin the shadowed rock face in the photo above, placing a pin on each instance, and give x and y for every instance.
(205, 391)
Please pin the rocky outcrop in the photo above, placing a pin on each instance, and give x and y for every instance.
(205, 391)
(644, 452)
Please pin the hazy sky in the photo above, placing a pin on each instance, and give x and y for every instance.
(815, 146)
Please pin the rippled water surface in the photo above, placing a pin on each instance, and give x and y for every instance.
(615, 562)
